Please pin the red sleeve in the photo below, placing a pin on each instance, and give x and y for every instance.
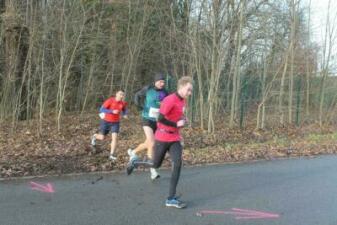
(166, 106)
(107, 103)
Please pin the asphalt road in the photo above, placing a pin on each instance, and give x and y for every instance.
(295, 191)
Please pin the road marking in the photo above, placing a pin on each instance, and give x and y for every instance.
(241, 214)
(48, 188)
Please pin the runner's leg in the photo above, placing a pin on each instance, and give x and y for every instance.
(149, 132)
(114, 134)
(148, 143)
(175, 152)
(113, 143)
(103, 130)
(159, 154)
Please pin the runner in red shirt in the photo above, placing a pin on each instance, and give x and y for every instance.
(110, 113)
(168, 139)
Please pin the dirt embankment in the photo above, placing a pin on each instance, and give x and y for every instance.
(27, 152)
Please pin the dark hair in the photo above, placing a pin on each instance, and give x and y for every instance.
(159, 76)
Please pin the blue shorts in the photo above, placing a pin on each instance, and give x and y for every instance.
(105, 127)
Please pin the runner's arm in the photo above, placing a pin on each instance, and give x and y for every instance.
(139, 96)
(125, 111)
(105, 107)
(105, 110)
(163, 120)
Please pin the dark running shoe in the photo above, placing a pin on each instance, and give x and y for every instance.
(130, 167)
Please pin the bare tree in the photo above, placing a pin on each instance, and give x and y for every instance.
(330, 29)
(66, 58)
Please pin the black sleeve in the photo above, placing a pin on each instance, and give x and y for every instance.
(163, 120)
(139, 97)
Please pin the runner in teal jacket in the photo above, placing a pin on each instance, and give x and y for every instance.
(149, 98)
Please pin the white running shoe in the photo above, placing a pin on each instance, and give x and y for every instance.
(93, 144)
(93, 140)
(154, 174)
(132, 155)
(112, 158)
(130, 152)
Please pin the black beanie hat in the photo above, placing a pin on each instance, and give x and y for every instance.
(159, 76)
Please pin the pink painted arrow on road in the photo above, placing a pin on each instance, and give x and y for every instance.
(242, 214)
(43, 188)
(253, 214)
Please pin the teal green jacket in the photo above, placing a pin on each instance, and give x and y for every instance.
(149, 98)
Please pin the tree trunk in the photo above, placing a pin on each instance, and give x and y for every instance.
(236, 76)
(307, 98)
(292, 56)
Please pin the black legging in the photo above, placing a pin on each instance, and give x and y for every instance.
(160, 149)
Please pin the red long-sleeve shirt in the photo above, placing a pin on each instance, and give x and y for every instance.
(172, 108)
(112, 104)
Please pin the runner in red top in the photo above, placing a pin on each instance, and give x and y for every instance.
(116, 106)
(110, 113)
(167, 138)
(172, 109)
